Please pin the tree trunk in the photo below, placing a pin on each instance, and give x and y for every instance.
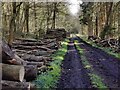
(119, 26)
(54, 15)
(4, 24)
(12, 72)
(48, 16)
(109, 9)
(12, 25)
(27, 16)
(96, 23)
(18, 17)
(90, 27)
(35, 22)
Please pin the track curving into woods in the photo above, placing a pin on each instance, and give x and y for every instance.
(74, 75)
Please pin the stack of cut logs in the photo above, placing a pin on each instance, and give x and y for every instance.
(27, 58)
(113, 43)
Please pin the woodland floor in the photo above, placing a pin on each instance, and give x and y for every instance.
(74, 75)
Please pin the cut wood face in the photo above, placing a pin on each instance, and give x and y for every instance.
(22, 73)
(13, 72)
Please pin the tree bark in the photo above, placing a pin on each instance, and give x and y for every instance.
(48, 15)
(12, 72)
(27, 16)
(35, 21)
(90, 27)
(38, 64)
(96, 30)
(109, 8)
(35, 58)
(119, 26)
(18, 17)
(54, 15)
(12, 25)
(9, 57)
(31, 47)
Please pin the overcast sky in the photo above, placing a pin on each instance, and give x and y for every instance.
(74, 6)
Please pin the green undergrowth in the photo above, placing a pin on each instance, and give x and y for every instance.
(107, 50)
(50, 78)
(96, 80)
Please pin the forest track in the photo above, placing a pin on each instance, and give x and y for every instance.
(73, 74)
(105, 65)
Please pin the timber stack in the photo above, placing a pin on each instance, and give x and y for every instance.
(25, 60)
(113, 43)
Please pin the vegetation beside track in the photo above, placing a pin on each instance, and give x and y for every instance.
(95, 79)
(50, 78)
(107, 50)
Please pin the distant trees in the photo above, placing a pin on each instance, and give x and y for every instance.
(101, 19)
(31, 19)
(119, 23)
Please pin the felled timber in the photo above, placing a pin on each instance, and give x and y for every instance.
(31, 47)
(26, 39)
(30, 72)
(8, 56)
(35, 58)
(38, 64)
(7, 53)
(12, 85)
(12, 72)
(28, 43)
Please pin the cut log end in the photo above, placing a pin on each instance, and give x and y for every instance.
(22, 73)
(12, 72)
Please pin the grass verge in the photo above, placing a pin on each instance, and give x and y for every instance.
(107, 50)
(95, 79)
(50, 78)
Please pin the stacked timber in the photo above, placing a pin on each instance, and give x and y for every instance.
(111, 42)
(58, 33)
(24, 60)
(35, 52)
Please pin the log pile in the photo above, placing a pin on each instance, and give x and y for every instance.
(13, 72)
(35, 52)
(112, 43)
(25, 60)
(58, 33)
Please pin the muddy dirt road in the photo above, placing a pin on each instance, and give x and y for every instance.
(105, 65)
(74, 75)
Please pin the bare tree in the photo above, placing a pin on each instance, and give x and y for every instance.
(12, 25)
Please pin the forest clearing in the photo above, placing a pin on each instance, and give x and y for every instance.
(49, 44)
